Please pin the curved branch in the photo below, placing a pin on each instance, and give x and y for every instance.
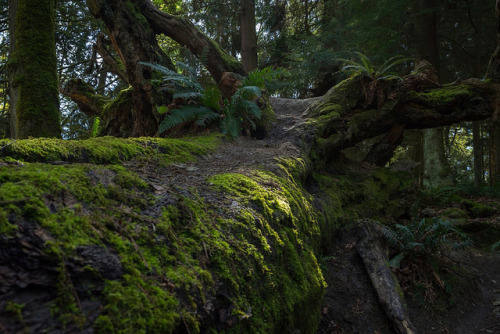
(185, 33)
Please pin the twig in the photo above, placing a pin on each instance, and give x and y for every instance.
(12, 142)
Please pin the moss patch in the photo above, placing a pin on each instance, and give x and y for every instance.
(106, 150)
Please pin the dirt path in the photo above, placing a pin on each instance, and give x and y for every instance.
(234, 156)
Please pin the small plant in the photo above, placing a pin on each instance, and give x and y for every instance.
(421, 238)
(241, 112)
(365, 66)
(95, 128)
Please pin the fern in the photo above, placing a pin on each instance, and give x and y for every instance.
(264, 77)
(423, 238)
(188, 114)
(240, 111)
(365, 66)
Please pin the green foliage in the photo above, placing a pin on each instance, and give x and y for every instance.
(204, 107)
(265, 77)
(200, 115)
(365, 66)
(180, 86)
(422, 238)
(241, 112)
(95, 128)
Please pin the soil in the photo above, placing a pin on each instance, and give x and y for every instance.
(350, 304)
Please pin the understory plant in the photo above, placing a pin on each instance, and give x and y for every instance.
(362, 64)
(204, 106)
(419, 266)
(423, 238)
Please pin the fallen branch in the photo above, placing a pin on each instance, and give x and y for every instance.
(384, 282)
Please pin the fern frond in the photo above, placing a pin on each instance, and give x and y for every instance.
(187, 95)
(157, 67)
(388, 64)
(184, 115)
(247, 93)
(207, 118)
(230, 124)
(211, 97)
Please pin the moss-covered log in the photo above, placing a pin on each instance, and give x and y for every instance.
(361, 107)
(90, 240)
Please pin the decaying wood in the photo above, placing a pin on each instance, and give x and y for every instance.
(384, 282)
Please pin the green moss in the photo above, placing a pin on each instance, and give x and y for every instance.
(443, 95)
(137, 15)
(477, 210)
(105, 150)
(284, 227)
(254, 258)
(16, 310)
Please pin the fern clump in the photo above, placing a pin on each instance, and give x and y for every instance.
(204, 106)
(423, 238)
(365, 66)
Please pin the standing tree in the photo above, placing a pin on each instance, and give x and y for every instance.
(493, 73)
(33, 69)
(248, 35)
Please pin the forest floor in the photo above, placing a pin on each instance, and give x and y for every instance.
(350, 304)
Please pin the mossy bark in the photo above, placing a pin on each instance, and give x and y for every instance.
(34, 64)
(360, 108)
(134, 41)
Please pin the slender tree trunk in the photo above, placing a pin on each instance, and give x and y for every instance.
(493, 73)
(12, 70)
(478, 153)
(248, 35)
(435, 164)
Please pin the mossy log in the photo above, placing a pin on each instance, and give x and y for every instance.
(362, 107)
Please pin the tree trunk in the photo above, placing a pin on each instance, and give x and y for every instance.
(248, 35)
(33, 70)
(493, 73)
(436, 171)
(345, 116)
(477, 144)
(435, 164)
(12, 71)
(135, 42)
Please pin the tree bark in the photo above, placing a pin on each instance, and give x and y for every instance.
(493, 73)
(477, 144)
(12, 71)
(384, 282)
(33, 70)
(248, 35)
(345, 116)
(135, 42)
